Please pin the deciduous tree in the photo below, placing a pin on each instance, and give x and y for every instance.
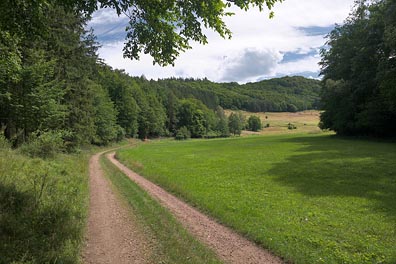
(359, 70)
(254, 123)
(236, 122)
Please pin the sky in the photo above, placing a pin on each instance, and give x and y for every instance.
(260, 48)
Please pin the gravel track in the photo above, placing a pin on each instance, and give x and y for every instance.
(228, 245)
(112, 234)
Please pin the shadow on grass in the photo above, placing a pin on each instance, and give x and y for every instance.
(31, 232)
(334, 166)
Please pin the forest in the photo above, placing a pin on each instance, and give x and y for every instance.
(359, 72)
(53, 86)
(286, 94)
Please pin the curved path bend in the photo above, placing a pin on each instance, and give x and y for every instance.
(228, 245)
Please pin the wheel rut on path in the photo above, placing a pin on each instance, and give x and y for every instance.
(112, 235)
(228, 245)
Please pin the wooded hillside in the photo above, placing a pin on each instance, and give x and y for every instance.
(275, 95)
(55, 88)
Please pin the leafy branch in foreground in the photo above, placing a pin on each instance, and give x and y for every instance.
(160, 28)
(163, 29)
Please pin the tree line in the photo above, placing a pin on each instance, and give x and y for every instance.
(52, 81)
(53, 84)
(286, 94)
(359, 72)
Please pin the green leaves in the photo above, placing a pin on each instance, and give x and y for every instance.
(236, 123)
(164, 29)
(50, 77)
(254, 123)
(359, 70)
(10, 58)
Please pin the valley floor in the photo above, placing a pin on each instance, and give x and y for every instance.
(308, 197)
(114, 236)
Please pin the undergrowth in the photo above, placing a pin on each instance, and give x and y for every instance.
(43, 207)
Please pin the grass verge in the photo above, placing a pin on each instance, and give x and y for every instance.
(43, 207)
(172, 243)
(308, 198)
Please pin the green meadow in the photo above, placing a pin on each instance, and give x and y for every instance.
(309, 198)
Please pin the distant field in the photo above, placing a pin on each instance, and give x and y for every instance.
(310, 198)
(305, 121)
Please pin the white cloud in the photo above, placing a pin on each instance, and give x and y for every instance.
(309, 64)
(255, 49)
(249, 64)
(105, 16)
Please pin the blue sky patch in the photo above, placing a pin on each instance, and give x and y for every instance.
(291, 56)
(108, 27)
(111, 32)
(316, 30)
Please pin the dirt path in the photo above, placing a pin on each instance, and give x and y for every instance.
(228, 245)
(112, 235)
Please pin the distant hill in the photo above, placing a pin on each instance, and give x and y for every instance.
(276, 95)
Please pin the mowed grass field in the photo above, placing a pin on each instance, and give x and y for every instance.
(310, 198)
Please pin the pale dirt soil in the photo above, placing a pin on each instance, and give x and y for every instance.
(228, 245)
(112, 234)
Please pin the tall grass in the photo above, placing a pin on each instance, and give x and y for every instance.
(43, 205)
(308, 198)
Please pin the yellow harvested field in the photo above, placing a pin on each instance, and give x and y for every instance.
(305, 121)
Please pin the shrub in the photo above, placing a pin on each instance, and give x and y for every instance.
(4, 143)
(120, 133)
(254, 123)
(43, 207)
(291, 126)
(44, 144)
(212, 134)
(183, 133)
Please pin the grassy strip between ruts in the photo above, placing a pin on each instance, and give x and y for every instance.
(308, 198)
(43, 207)
(172, 243)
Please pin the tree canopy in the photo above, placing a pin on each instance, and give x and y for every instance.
(276, 95)
(54, 86)
(254, 123)
(163, 29)
(359, 72)
(160, 28)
